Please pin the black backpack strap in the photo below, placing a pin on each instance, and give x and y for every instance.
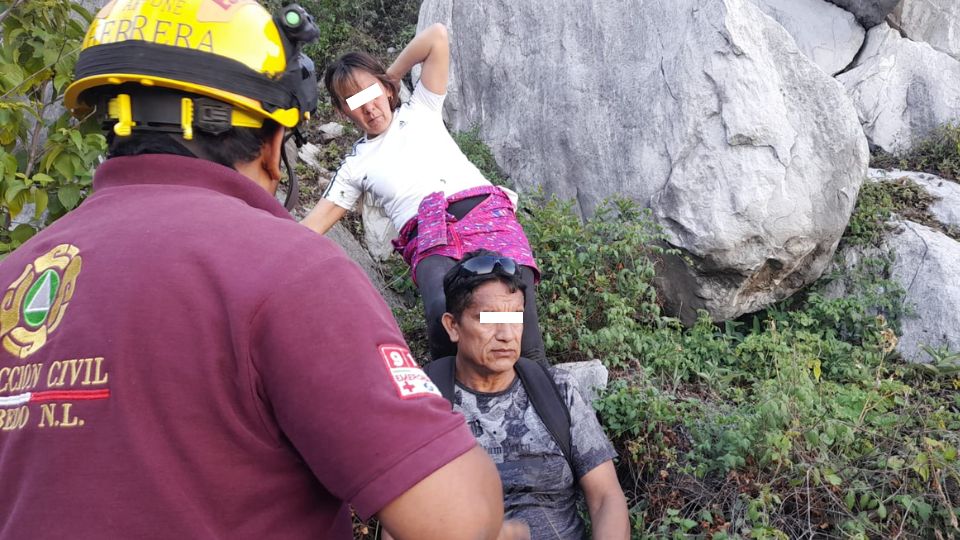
(440, 372)
(548, 402)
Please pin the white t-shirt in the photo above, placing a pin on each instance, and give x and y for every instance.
(413, 158)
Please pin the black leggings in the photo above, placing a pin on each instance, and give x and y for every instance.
(430, 272)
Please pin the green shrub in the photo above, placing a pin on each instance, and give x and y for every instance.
(46, 159)
(938, 153)
(877, 203)
(597, 288)
(373, 26)
(480, 155)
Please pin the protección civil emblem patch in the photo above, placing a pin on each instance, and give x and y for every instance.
(32, 306)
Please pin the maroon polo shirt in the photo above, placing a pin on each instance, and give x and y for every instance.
(180, 359)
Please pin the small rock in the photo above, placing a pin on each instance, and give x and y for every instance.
(591, 377)
(330, 131)
(391, 50)
(308, 154)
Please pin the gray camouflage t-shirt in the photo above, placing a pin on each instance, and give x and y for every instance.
(538, 485)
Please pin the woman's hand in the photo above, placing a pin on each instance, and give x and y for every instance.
(432, 48)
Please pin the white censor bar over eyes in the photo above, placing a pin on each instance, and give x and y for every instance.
(364, 96)
(501, 317)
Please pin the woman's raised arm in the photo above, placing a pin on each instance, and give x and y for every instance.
(432, 48)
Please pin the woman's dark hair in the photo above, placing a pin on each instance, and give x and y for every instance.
(236, 145)
(458, 286)
(340, 82)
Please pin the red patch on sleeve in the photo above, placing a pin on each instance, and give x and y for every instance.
(409, 380)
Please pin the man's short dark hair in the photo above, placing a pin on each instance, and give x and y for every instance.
(458, 286)
(236, 145)
(228, 148)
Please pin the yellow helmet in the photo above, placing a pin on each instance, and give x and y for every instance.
(248, 63)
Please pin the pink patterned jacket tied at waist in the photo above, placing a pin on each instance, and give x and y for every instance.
(492, 225)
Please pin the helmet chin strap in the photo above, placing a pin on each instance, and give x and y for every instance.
(293, 189)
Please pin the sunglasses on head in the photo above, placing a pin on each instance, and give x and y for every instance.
(486, 264)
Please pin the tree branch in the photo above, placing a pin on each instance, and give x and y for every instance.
(35, 136)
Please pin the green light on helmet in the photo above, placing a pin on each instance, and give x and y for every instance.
(292, 18)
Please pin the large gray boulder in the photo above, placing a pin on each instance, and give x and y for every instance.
(935, 22)
(902, 89)
(704, 110)
(869, 13)
(827, 34)
(925, 265)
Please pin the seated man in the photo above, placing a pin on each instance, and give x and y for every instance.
(485, 296)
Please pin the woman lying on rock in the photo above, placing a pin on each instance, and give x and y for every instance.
(532, 421)
(439, 201)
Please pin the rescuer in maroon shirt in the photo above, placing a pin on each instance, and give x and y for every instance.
(181, 359)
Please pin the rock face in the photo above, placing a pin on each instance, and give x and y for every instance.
(925, 265)
(827, 34)
(342, 236)
(93, 6)
(704, 110)
(869, 13)
(936, 22)
(902, 89)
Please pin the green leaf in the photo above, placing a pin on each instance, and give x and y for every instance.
(882, 511)
(50, 56)
(47, 161)
(950, 453)
(850, 499)
(10, 166)
(43, 179)
(16, 205)
(77, 139)
(61, 80)
(64, 165)
(833, 479)
(69, 195)
(40, 201)
(22, 233)
(13, 189)
(11, 76)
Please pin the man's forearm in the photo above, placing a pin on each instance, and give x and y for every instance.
(610, 519)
